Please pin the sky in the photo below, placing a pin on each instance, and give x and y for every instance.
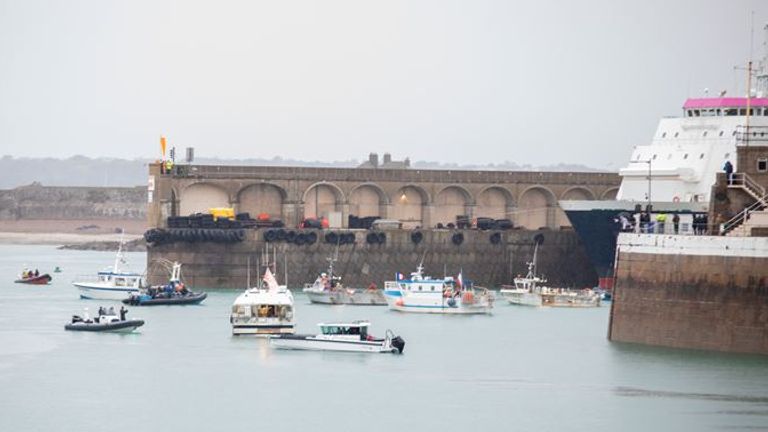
(475, 81)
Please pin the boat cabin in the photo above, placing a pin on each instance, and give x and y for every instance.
(357, 328)
(131, 280)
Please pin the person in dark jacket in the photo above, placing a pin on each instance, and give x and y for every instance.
(676, 222)
(728, 168)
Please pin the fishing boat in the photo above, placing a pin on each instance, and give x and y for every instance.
(174, 292)
(328, 289)
(30, 278)
(111, 283)
(343, 336)
(424, 294)
(530, 291)
(107, 320)
(266, 309)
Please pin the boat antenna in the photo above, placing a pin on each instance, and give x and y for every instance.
(119, 256)
(248, 272)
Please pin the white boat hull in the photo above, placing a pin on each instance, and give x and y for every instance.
(102, 292)
(357, 297)
(438, 305)
(312, 343)
(262, 329)
(524, 298)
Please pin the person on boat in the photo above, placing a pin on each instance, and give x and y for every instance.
(123, 311)
(101, 310)
(372, 287)
(37, 273)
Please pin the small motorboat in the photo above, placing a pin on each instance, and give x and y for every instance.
(57, 269)
(347, 337)
(328, 289)
(28, 277)
(172, 293)
(106, 321)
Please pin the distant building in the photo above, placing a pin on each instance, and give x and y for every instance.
(387, 163)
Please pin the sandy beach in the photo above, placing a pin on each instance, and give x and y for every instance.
(68, 232)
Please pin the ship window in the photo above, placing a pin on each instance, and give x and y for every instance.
(743, 111)
(721, 133)
(718, 112)
(696, 113)
(727, 155)
(765, 111)
(685, 156)
(731, 111)
(704, 134)
(762, 165)
(654, 157)
(676, 134)
(433, 288)
(733, 133)
(669, 156)
(664, 135)
(690, 113)
(701, 156)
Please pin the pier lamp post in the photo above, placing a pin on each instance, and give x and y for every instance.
(649, 161)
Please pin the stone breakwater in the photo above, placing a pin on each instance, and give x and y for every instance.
(699, 292)
(224, 265)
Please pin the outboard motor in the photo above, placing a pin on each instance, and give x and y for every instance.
(76, 319)
(398, 343)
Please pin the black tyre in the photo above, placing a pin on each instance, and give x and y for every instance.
(301, 238)
(311, 238)
(417, 237)
(290, 236)
(458, 238)
(495, 238)
(350, 238)
(332, 238)
(240, 235)
(381, 238)
(270, 235)
(372, 238)
(538, 238)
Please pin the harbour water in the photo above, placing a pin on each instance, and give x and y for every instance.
(520, 368)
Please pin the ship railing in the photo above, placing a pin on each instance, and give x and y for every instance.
(746, 135)
(746, 182)
(743, 215)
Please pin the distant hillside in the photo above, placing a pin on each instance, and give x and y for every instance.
(84, 171)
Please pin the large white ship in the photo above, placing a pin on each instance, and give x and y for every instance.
(674, 173)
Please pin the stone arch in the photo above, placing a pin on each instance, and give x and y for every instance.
(409, 206)
(610, 194)
(494, 202)
(577, 193)
(451, 201)
(260, 198)
(368, 199)
(174, 210)
(574, 193)
(199, 197)
(536, 208)
(323, 199)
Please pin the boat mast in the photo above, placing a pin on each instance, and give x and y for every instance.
(119, 256)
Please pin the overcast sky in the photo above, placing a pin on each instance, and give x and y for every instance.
(473, 81)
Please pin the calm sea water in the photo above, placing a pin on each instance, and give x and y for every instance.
(522, 369)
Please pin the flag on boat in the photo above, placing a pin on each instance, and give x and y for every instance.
(459, 280)
(399, 276)
(270, 280)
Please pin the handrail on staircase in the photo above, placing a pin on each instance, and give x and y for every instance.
(745, 181)
(743, 215)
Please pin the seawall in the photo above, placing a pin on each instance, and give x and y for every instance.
(697, 292)
(214, 265)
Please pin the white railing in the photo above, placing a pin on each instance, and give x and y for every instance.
(744, 181)
(743, 215)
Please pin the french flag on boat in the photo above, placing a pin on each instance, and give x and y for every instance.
(399, 276)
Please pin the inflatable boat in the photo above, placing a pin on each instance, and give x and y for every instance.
(43, 279)
(162, 299)
(107, 321)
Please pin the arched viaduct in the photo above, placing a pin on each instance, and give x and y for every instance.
(415, 197)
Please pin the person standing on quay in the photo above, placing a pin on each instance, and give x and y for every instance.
(676, 222)
(728, 168)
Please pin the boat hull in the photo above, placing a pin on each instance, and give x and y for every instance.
(43, 279)
(126, 326)
(311, 343)
(518, 298)
(262, 329)
(522, 298)
(99, 292)
(439, 305)
(192, 299)
(358, 297)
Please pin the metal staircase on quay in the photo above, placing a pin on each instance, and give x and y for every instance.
(756, 212)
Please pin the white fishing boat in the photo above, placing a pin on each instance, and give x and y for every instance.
(113, 283)
(266, 309)
(343, 336)
(328, 289)
(424, 294)
(530, 291)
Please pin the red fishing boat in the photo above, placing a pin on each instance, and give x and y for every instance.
(43, 279)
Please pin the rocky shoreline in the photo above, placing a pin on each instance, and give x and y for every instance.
(137, 245)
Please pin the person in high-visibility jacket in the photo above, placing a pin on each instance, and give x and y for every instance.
(660, 219)
(168, 166)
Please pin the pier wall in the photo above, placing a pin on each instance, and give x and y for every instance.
(211, 265)
(698, 292)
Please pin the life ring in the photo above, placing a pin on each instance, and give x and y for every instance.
(676, 199)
